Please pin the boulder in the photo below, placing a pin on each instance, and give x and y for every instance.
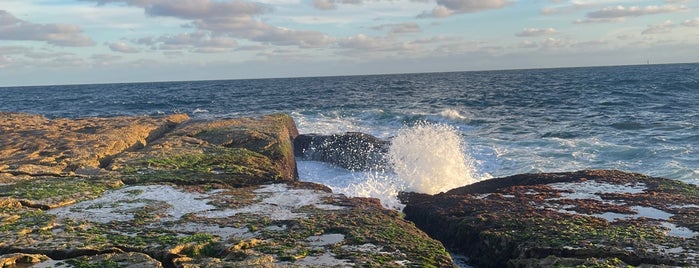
(353, 150)
(594, 217)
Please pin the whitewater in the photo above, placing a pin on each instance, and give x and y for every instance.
(446, 129)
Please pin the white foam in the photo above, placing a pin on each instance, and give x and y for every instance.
(454, 114)
(429, 158)
(426, 158)
(593, 189)
(117, 205)
(279, 202)
(376, 184)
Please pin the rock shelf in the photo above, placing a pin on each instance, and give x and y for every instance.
(175, 192)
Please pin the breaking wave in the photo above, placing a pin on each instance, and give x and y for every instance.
(426, 158)
(429, 158)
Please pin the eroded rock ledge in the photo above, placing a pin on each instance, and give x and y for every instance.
(593, 218)
(174, 192)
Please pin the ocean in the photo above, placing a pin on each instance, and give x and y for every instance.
(449, 129)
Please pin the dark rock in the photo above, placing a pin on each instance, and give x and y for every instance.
(353, 150)
(593, 217)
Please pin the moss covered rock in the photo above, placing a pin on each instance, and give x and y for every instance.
(594, 218)
(184, 193)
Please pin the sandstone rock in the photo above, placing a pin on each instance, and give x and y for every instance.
(580, 218)
(19, 259)
(36, 146)
(197, 194)
(237, 152)
(353, 150)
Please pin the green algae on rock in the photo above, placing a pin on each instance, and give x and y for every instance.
(31, 145)
(237, 152)
(184, 193)
(577, 218)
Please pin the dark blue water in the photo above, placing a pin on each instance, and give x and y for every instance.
(633, 118)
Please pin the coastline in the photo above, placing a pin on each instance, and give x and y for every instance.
(173, 192)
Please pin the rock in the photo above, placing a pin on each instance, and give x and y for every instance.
(31, 145)
(353, 150)
(593, 217)
(20, 259)
(237, 152)
(191, 193)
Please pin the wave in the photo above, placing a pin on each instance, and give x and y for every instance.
(426, 158)
(453, 115)
(429, 158)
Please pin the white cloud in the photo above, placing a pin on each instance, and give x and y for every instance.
(199, 41)
(447, 8)
(122, 47)
(529, 32)
(236, 19)
(12, 28)
(333, 4)
(634, 11)
(691, 23)
(573, 7)
(401, 28)
(664, 27)
(364, 42)
(324, 4)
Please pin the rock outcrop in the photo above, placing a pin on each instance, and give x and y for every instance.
(174, 192)
(32, 145)
(353, 150)
(593, 218)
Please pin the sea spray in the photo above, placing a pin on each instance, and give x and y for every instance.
(429, 158)
(426, 158)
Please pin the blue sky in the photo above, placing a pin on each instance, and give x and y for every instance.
(101, 41)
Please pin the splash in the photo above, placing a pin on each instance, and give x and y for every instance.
(428, 158)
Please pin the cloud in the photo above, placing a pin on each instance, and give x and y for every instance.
(401, 28)
(621, 12)
(236, 19)
(447, 8)
(529, 32)
(362, 44)
(12, 28)
(691, 23)
(564, 9)
(332, 4)
(122, 47)
(200, 9)
(664, 27)
(324, 4)
(199, 41)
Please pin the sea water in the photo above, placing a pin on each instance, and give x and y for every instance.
(447, 129)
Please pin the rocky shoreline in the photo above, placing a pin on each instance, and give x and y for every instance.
(175, 192)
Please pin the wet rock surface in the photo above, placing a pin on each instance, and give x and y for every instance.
(353, 150)
(175, 192)
(594, 218)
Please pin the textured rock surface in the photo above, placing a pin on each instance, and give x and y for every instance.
(173, 192)
(352, 150)
(590, 218)
(32, 145)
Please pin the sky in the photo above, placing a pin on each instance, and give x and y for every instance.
(47, 42)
